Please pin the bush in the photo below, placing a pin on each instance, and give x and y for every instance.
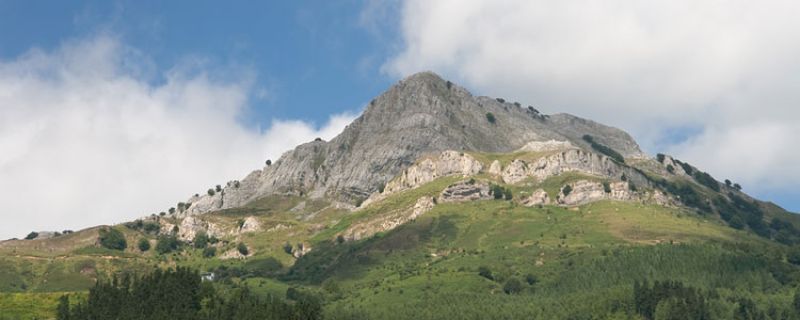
(728, 183)
(670, 169)
(167, 244)
(507, 194)
(490, 117)
(566, 190)
(737, 186)
(201, 240)
(606, 187)
(112, 239)
(496, 191)
(211, 192)
(512, 286)
(531, 279)
(268, 162)
(209, 252)
(242, 248)
(144, 245)
(32, 235)
(287, 247)
(501, 100)
(661, 157)
(485, 272)
(219, 188)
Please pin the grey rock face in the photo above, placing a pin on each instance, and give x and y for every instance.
(420, 115)
(465, 191)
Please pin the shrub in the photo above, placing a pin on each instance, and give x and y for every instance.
(507, 194)
(661, 157)
(496, 191)
(485, 272)
(793, 256)
(531, 279)
(200, 240)
(242, 248)
(171, 210)
(566, 190)
(268, 162)
(211, 192)
(490, 117)
(728, 183)
(112, 239)
(32, 235)
(162, 213)
(287, 247)
(449, 84)
(606, 187)
(737, 186)
(167, 244)
(512, 286)
(144, 245)
(339, 240)
(209, 252)
(501, 100)
(219, 188)
(670, 169)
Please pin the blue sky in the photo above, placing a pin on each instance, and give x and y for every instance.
(313, 58)
(110, 110)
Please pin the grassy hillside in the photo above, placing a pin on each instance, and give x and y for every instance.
(456, 261)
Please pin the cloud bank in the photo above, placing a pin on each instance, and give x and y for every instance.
(713, 82)
(86, 139)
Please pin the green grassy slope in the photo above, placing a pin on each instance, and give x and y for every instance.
(570, 261)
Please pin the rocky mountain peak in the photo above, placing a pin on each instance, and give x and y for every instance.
(422, 114)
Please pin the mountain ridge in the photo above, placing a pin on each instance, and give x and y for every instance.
(421, 114)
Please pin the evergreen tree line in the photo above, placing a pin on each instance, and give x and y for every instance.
(180, 294)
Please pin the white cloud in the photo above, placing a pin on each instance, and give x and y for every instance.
(85, 139)
(728, 67)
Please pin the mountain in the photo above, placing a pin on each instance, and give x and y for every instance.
(421, 115)
(438, 204)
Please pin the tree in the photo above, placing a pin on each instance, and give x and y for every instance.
(167, 244)
(606, 187)
(661, 157)
(339, 239)
(209, 252)
(200, 240)
(269, 162)
(242, 249)
(728, 183)
(512, 286)
(171, 210)
(219, 188)
(737, 186)
(490, 117)
(566, 190)
(507, 194)
(496, 191)
(670, 169)
(144, 245)
(112, 239)
(32, 235)
(210, 192)
(287, 247)
(62, 311)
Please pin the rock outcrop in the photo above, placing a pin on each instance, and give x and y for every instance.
(583, 192)
(469, 190)
(388, 222)
(573, 160)
(538, 197)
